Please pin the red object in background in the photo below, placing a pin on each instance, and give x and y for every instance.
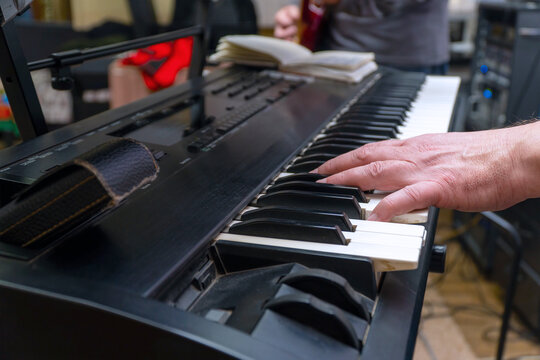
(5, 112)
(161, 63)
(311, 23)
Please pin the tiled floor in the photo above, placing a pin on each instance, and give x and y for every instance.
(461, 313)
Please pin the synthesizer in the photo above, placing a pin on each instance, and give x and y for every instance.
(234, 250)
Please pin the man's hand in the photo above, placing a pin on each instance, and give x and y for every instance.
(287, 22)
(486, 170)
(287, 19)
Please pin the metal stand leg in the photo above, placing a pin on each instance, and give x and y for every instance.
(515, 242)
(19, 86)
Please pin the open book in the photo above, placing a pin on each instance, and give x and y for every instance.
(288, 56)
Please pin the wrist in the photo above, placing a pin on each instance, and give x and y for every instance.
(527, 158)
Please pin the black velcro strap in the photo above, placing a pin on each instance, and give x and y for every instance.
(77, 191)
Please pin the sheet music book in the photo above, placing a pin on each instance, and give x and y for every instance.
(265, 51)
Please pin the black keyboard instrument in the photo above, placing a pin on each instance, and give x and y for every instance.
(234, 251)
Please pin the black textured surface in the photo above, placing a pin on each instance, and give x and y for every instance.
(122, 165)
(76, 192)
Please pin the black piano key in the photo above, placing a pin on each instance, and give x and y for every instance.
(319, 188)
(350, 135)
(399, 115)
(299, 177)
(382, 110)
(392, 95)
(362, 129)
(353, 120)
(377, 115)
(328, 218)
(362, 117)
(391, 100)
(400, 94)
(314, 201)
(290, 230)
(377, 108)
(335, 149)
(383, 101)
(305, 166)
(341, 141)
(411, 89)
(314, 157)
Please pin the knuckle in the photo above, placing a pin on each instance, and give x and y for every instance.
(413, 193)
(446, 179)
(376, 169)
(387, 204)
(359, 155)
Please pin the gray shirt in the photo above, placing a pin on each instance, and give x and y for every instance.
(399, 32)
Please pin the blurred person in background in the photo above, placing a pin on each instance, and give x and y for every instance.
(408, 35)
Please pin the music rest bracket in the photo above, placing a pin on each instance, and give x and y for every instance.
(15, 70)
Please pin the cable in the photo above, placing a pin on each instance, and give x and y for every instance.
(427, 345)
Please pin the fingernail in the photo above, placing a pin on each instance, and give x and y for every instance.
(322, 181)
(373, 217)
(315, 171)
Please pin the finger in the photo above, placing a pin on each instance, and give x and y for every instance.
(287, 16)
(413, 197)
(386, 175)
(286, 33)
(384, 150)
(294, 12)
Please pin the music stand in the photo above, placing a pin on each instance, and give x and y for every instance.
(15, 71)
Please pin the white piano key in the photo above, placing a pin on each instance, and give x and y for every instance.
(375, 238)
(389, 228)
(432, 110)
(413, 217)
(384, 258)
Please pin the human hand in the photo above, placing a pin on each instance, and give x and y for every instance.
(286, 22)
(476, 171)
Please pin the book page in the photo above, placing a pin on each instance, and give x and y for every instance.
(283, 51)
(352, 76)
(345, 60)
